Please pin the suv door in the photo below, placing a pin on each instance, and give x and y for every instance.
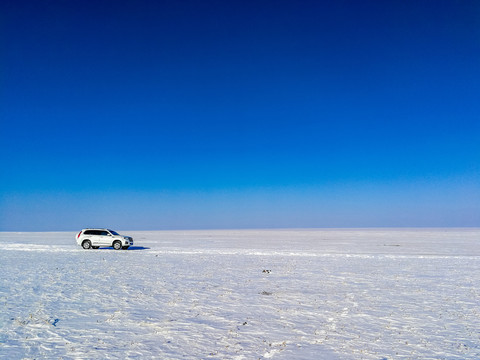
(104, 238)
(90, 235)
(95, 238)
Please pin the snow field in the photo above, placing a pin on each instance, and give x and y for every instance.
(299, 294)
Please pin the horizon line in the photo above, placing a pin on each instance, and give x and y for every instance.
(262, 228)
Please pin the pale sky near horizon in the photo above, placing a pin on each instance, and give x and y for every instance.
(239, 114)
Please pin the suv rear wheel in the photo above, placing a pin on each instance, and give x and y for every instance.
(87, 244)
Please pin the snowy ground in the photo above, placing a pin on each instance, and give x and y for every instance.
(281, 294)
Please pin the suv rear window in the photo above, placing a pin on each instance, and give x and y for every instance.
(95, 232)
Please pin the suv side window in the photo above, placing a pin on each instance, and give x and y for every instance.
(89, 232)
(103, 233)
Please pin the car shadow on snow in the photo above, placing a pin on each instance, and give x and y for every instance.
(131, 248)
(138, 248)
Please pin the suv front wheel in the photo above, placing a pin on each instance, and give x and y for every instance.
(117, 245)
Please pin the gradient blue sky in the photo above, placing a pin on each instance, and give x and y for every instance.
(239, 114)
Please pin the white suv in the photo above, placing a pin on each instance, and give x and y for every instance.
(94, 238)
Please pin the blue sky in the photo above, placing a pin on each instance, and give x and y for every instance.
(239, 114)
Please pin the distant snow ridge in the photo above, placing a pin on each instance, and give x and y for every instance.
(279, 294)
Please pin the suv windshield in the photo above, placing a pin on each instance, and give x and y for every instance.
(113, 232)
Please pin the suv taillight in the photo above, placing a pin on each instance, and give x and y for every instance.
(79, 234)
